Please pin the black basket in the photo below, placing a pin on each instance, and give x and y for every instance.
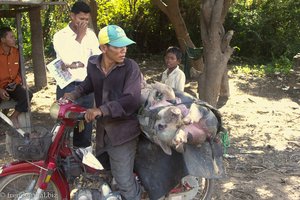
(32, 146)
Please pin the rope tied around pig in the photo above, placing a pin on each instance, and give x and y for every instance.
(225, 140)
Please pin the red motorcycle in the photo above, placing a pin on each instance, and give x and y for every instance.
(49, 168)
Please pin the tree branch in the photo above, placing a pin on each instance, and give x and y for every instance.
(226, 6)
(161, 5)
(226, 40)
(204, 30)
(216, 16)
(206, 8)
(226, 49)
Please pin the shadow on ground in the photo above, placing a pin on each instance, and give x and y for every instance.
(272, 87)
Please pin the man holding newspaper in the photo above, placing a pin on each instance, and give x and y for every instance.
(74, 44)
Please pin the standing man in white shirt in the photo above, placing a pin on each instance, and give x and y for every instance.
(74, 44)
(173, 75)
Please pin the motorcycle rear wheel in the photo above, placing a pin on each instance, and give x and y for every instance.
(15, 187)
(200, 189)
(206, 190)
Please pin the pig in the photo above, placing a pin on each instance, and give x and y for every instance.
(174, 129)
(153, 97)
(168, 121)
(199, 125)
(156, 95)
(172, 118)
(152, 121)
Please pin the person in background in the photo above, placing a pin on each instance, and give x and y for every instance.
(116, 82)
(74, 44)
(173, 75)
(10, 76)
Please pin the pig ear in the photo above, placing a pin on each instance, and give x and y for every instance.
(187, 120)
(175, 111)
(180, 148)
(166, 148)
(165, 89)
(163, 146)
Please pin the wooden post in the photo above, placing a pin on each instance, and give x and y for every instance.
(38, 59)
(26, 117)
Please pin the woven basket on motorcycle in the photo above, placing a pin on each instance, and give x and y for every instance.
(32, 145)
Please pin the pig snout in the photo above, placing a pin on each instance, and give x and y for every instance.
(161, 127)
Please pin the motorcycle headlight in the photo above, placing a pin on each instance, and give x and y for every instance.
(54, 110)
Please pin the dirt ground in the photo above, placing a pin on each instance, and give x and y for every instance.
(262, 117)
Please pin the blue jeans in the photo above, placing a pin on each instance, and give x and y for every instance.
(80, 139)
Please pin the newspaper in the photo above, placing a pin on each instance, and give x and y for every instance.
(62, 77)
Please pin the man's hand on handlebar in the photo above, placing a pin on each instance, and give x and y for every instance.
(92, 113)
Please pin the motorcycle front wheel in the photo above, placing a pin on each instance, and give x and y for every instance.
(23, 187)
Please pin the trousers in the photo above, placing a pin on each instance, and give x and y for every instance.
(121, 162)
(20, 96)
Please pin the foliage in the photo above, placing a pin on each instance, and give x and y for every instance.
(279, 66)
(280, 27)
(25, 30)
(143, 22)
(190, 11)
(244, 21)
(265, 30)
(8, 22)
(53, 19)
(282, 65)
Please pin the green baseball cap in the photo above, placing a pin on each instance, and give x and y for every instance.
(114, 36)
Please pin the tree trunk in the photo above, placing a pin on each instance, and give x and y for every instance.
(93, 22)
(171, 9)
(38, 60)
(216, 50)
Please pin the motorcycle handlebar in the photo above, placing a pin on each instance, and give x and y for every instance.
(80, 116)
(74, 114)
